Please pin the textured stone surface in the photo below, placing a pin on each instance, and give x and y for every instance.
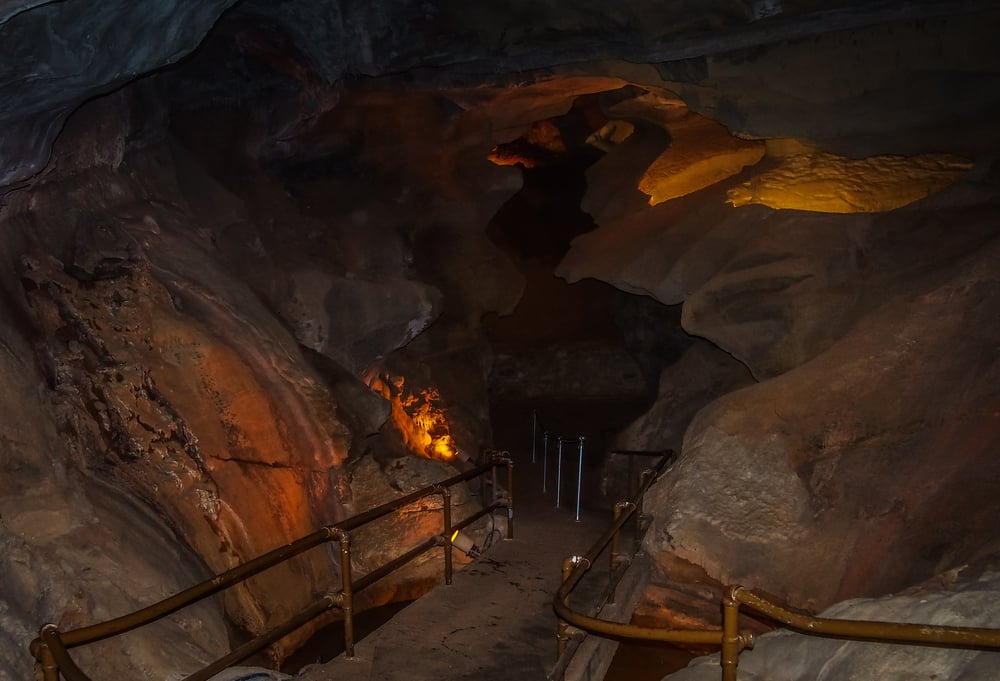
(703, 374)
(701, 153)
(59, 54)
(791, 656)
(833, 184)
(854, 91)
(378, 482)
(160, 386)
(877, 447)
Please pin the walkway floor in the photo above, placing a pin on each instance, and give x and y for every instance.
(495, 621)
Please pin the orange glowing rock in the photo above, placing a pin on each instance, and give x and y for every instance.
(702, 152)
(420, 418)
(539, 146)
(827, 183)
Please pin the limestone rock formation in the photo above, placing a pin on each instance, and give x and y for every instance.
(378, 482)
(787, 655)
(701, 153)
(831, 463)
(854, 91)
(832, 184)
(703, 374)
(200, 284)
(241, 436)
(60, 54)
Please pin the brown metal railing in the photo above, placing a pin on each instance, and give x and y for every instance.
(730, 639)
(51, 648)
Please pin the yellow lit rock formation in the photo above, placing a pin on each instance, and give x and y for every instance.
(701, 153)
(827, 183)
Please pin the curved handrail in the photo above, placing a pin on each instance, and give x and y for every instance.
(901, 632)
(732, 640)
(51, 647)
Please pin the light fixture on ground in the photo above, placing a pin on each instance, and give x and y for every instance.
(464, 543)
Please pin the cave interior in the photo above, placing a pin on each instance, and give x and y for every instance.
(270, 264)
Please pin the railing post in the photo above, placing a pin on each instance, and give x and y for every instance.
(559, 471)
(562, 628)
(46, 668)
(347, 593)
(615, 552)
(510, 498)
(446, 510)
(730, 656)
(579, 479)
(545, 459)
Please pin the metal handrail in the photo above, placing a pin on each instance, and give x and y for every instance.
(730, 638)
(51, 648)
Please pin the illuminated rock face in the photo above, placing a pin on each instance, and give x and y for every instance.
(827, 183)
(171, 383)
(168, 352)
(861, 458)
(701, 153)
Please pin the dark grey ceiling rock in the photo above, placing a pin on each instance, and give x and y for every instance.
(56, 55)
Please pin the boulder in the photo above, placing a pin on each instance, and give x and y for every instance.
(865, 460)
(788, 655)
(703, 374)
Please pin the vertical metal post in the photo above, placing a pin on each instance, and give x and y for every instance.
(545, 459)
(562, 629)
(615, 552)
(446, 510)
(347, 595)
(559, 471)
(730, 657)
(46, 668)
(534, 430)
(510, 499)
(579, 479)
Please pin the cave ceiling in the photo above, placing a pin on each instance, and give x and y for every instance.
(57, 55)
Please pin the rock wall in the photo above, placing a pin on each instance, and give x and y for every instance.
(166, 381)
(788, 656)
(198, 351)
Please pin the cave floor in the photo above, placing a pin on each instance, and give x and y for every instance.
(495, 621)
